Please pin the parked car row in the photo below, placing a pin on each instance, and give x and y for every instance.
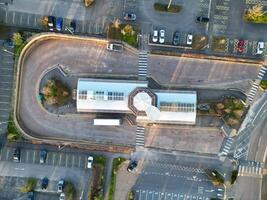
(158, 36)
(57, 23)
(241, 47)
(43, 156)
(60, 187)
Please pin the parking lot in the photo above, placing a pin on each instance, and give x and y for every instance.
(62, 159)
(33, 21)
(6, 81)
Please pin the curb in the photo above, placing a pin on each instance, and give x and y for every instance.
(30, 43)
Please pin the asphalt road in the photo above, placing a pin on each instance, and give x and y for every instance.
(6, 84)
(167, 176)
(253, 142)
(51, 172)
(91, 58)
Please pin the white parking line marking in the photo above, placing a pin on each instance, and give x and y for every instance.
(13, 19)
(34, 156)
(67, 158)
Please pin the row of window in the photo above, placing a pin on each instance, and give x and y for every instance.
(177, 107)
(101, 95)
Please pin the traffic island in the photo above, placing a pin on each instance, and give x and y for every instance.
(167, 8)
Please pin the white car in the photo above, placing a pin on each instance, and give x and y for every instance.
(62, 196)
(155, 36)
(161, 36)
(189, 39)
(60, 186)
(90, 160)
(260, 47)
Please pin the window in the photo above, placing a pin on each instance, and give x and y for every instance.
(115, 96)
(177, 107)
(83, 94)
(99, 95)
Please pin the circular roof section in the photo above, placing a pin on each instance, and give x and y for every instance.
(142, 100)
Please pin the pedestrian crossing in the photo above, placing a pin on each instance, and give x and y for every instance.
(255, 86)
(226, 146)
(142, 65)
(140, 136)
(251, 169)
(262, 72)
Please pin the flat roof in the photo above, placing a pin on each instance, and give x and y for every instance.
(105, 95)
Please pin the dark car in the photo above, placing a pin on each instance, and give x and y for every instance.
(43, 154)
(240, 46)
(8, 44)
(16, 155)
(73, 26)
(51, 22)
(203, 19)
(131, 166)
(30, 196)
(130, 16)
(175, 38)
(59, 23)
(44, 183)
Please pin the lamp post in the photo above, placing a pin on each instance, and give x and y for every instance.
(5, 50)
(169, 5)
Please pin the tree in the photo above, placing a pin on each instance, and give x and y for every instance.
(29, 186)
(116, 23)
(17, 39)
(69, 190)
(88, 2)
(254, 12)
(55, 92)
(44, 21)
(128, 30)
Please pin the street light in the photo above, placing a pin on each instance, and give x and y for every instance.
(4, 122)
(5, 50)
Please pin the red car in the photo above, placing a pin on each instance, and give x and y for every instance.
(240, 46)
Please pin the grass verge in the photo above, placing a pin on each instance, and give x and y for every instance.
(200, 42)
(164, 8)
(218, 44)
(234, 176)
(116, 34)
(115, 166)
(12, 133)
(257, 20)
(96, 187)
(263, 84)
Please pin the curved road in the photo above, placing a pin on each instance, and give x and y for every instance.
(85, 56)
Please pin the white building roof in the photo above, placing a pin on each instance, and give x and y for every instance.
(105, 95)
(178, 106)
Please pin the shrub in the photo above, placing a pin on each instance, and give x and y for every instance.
(29, 186)
(69, 191)
(12, 132)
(234, 176)
(88, 2)
(263, 84)
(164, 8)
(56, 93)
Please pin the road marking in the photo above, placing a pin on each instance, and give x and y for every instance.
(34, 157)
(73, 158)
(13, 18)
(7, 153)
(67, 160)
(53, 160)
(27, 155)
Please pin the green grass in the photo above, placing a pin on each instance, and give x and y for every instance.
(115, 166)
(29, 186)
(115, 33)
(234, 176)
(164, 8)
(259, 20)
(12, 132)
(218, 44)
(263, 84)
(100, 160)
